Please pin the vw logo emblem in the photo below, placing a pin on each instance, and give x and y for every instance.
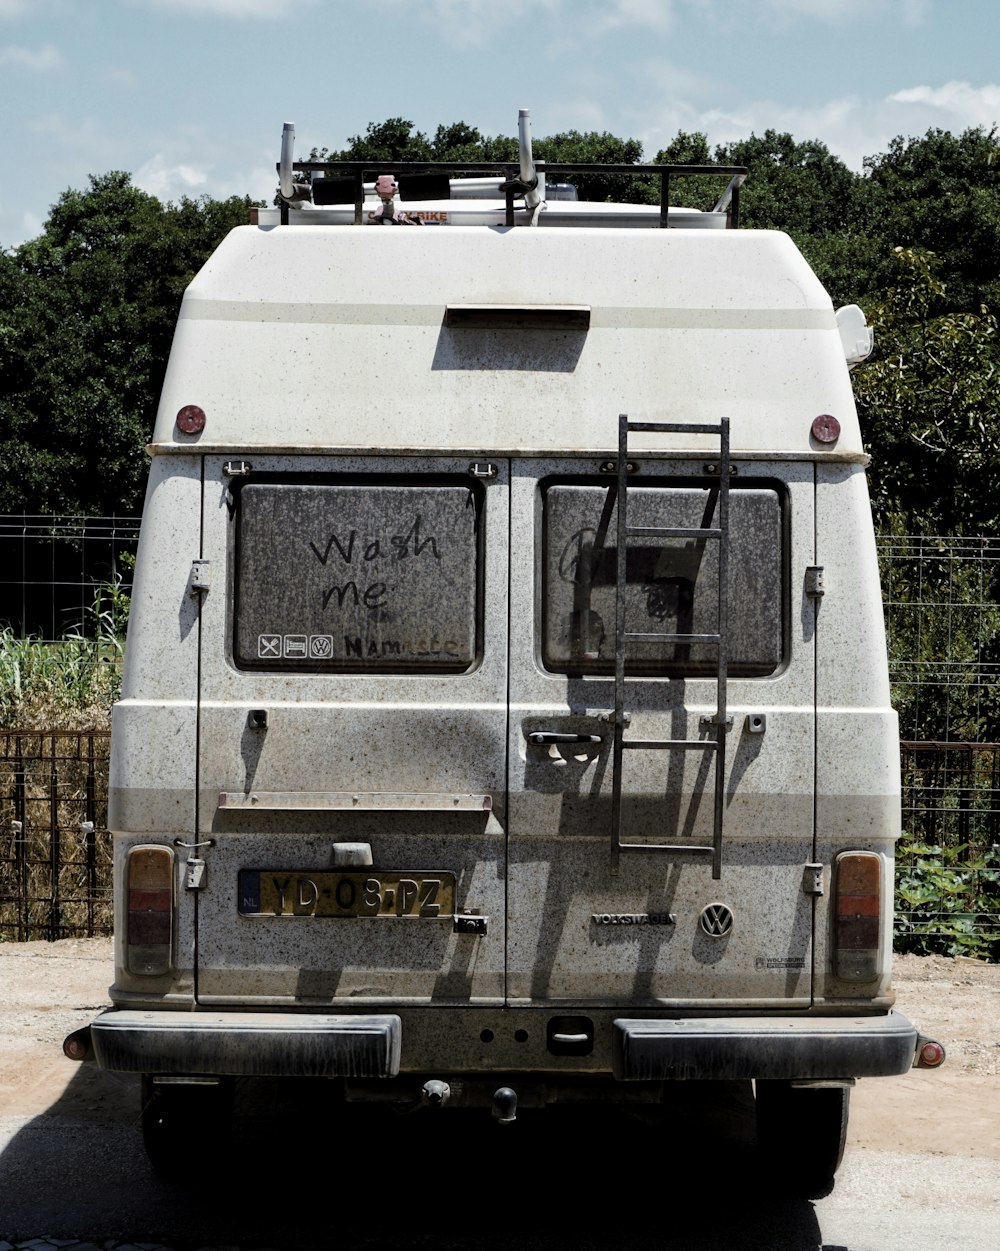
(716, 920)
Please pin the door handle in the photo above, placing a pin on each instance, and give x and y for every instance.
(555, 736)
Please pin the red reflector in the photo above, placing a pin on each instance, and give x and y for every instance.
(931, 1054)
(191, 419)
(825, 428)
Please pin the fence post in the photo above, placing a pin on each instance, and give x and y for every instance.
(54, 858)
(88, 828)
(20, 842)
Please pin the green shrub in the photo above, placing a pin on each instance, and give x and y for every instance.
(70, 684)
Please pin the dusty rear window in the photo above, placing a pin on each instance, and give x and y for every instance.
(672, 585)
(366, 576)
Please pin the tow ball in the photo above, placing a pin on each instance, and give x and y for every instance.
(504, 1105)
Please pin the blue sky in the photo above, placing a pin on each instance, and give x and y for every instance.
(190, 95)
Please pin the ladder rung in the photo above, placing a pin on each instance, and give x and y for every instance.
(671, 638)
(671, 532)
(652, 744)
(672, 427)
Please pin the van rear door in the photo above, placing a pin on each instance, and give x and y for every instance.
(660, 930)
(352, 731)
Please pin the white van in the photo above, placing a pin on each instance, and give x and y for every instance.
(505, 716)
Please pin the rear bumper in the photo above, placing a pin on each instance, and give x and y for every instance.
(771, 1048)
(247, 1044)
(279, 1044)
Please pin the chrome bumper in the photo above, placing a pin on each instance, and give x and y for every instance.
(247, 1044)
(769, 1048)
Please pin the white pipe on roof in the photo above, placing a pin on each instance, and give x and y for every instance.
(533, 196)
(286, 182)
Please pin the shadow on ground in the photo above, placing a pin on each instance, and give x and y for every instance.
(302, 1172)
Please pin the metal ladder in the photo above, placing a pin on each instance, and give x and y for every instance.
(717, 743)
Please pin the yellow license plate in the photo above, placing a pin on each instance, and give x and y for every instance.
(331, 893)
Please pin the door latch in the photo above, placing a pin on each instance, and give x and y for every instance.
(467, 923)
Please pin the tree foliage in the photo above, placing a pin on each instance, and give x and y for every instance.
(929, 404)
(87, 313)
(940, 193)
(87, 309)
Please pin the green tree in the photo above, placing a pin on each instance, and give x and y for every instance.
(87, 316)
(806, 191)
(392, 140)
(396, 140)
(941, 193)
(929, 403)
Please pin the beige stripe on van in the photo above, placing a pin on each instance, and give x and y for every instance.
(618, 317)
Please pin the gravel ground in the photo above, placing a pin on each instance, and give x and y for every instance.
(48, 989)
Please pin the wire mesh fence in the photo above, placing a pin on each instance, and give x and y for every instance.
(943, 627)
(55, 849)
(948, 860)
(51, 569)
(942, 618)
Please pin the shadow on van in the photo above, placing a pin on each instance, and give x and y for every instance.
(301, 1171)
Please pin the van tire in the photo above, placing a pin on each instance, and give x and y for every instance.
(182, 1125)
(801, 1132)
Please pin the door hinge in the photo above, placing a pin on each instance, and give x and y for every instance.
(814, 582)
(812, 879)
(200, 576)
(195, 873)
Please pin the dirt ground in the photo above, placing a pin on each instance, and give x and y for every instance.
(49, 989)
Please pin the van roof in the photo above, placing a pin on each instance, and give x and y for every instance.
(498, 339)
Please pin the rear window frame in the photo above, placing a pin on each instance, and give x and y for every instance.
(361, 668)
(661, 477)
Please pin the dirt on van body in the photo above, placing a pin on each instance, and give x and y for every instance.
(49, 989)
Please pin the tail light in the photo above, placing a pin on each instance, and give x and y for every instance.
(149, 889)
(858, 917)
(930, 1053)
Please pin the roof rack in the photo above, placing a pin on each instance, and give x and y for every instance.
(346, 183)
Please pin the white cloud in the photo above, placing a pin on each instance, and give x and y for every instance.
(45, 58)
(850, 126)
(960, 104)
(10, 9)
(473, 23)
(120, 77)
(629, 14)
(839, 12)
(169, 182)
(237, 9)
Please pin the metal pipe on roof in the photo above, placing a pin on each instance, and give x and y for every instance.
(287, 156)
(529, 176)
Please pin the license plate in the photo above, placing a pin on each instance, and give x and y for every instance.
(368, 893)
